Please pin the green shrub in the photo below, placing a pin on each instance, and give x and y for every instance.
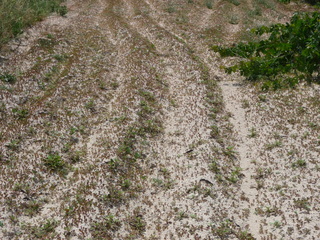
(290, 54)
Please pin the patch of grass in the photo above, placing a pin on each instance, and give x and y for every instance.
(16, 15)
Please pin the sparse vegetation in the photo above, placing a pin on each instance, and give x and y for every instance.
(118, 123)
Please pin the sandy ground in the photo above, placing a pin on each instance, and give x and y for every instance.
(122, 125)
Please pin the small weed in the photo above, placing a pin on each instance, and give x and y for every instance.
(262, 98)
(54, 163)
(313, 125)
(209, 4)
(273, 145)
(20, 113)
(147, 95)
(255, 12)
(59, 57)
(24, 187)
(171, 8)
(114, 197)
(234, 2)
(8, 78)
(46, 230)
(267, 3)
(229, 151)
(90, 105)
(145, 109)
(137, 223)
(151, 127)
(157, 182)
(269, 211)
(224, 230)
(62, 10)
(245, 103)
(253, 133)
(114, 84)
(302, 204)
(234, 20)
(214, 133)
(214, 167)
(46, 43)
(125, 185)
(102, 228)
(31, 208)
(114, 164)
(165, 172)
(181, 215)
(13, 145)
(277, 224)
(299, 163)
(235, 175)
(76, 156)
(245, 235)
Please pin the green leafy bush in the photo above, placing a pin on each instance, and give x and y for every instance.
(291, 53)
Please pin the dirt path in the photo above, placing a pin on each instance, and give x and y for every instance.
(126, 127)
(232, 94)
